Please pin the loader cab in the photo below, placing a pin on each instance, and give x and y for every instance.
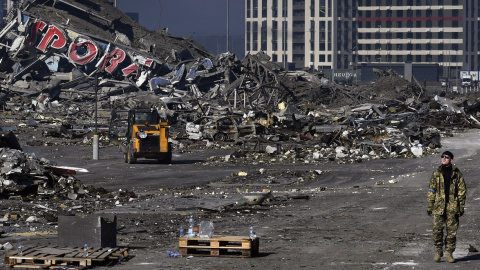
(144, 117)
(147, 137)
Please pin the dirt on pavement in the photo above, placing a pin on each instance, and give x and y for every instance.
(369, 215)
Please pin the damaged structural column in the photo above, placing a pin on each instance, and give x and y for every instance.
(95, 136)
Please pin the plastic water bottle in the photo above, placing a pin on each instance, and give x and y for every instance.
(85, 250)
(191, 224)
(173, 254)
(252, 233)
(182, 233)
(20, 247)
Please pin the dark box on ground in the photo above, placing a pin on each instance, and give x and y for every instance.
(96, 230)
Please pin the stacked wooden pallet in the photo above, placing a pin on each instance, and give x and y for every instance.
(63, 257)
(228, 246)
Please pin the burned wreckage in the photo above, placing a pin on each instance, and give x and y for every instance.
(79, 73)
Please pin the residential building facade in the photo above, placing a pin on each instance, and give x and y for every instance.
(343, 34)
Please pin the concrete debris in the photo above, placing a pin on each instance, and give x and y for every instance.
(55, 70)
(65, 79)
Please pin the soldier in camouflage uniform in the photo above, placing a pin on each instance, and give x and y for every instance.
(446, 203)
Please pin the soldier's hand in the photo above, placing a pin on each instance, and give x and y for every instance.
(429, 212)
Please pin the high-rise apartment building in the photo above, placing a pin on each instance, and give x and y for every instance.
(342, 34)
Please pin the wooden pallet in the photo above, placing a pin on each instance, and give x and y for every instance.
(227, 246)
(63, 257)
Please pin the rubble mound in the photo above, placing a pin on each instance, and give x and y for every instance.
(391, 86)
(99, 18)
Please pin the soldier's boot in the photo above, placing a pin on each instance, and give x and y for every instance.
(439, 255)
(450, 258)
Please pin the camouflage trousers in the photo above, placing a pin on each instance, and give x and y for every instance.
(448, 222)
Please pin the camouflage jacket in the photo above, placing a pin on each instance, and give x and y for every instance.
(436, 192)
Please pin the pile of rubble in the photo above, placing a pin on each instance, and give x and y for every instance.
(70, 69)
(29, 179)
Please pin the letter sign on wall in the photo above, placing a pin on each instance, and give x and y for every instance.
(55, 38)
(34, 29)
(88, 46)
(114, 58)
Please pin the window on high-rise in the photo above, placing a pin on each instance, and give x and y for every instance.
(248, 8)
(275, 30)
(248, 41)
(255, 8)
(263, 36)
(264, 8)
(312, 9)
(275, 9)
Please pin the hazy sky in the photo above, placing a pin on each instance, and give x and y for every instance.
(189, 17)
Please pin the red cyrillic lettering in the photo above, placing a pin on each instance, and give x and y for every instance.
(34, 29)
(91, 51)
(53, 33)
